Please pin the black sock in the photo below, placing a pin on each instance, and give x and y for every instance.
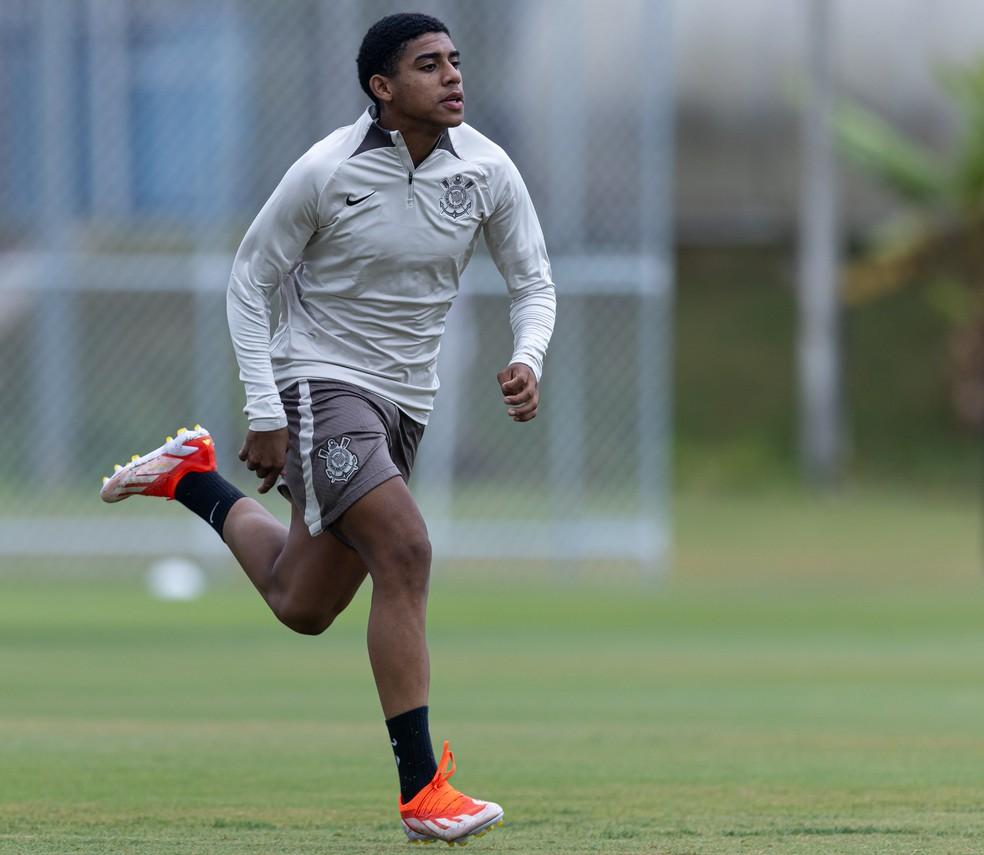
(410, 738)
(209, 495)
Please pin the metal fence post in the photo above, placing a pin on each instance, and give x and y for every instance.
(818, 341)
(56, 351)
(567, 402)
(656, 290)
(109, 77)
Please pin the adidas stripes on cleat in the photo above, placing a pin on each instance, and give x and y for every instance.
(158, 472)
(440, 812)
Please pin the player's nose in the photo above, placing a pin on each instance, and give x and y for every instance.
(452, 74)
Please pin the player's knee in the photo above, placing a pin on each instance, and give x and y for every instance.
(305, 620)
(305, 624)
(406, 564)
(418, 553)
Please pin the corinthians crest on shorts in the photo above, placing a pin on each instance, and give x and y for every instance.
(340, 463)
(457, 199)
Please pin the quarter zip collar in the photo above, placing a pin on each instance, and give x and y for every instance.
(401, 147)
(402, 150)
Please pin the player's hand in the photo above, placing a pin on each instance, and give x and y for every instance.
(520, 391)
(264, 453)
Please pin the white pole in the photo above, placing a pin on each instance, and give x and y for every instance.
(656, 287)
(568, 405)
(109, 89)
(56, 351)
(818, 341)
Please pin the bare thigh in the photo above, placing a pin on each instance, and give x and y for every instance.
(316, 577)
(386, 528)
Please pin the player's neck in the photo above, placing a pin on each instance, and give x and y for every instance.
(420, 137)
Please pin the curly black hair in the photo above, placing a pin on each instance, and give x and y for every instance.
(384, 43)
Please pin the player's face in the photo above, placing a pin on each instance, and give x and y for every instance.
(427, 85)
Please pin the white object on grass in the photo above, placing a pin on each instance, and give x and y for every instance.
(175, 579)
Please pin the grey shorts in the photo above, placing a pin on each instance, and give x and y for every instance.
(342, 442)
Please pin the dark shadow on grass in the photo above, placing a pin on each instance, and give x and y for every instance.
(838, 830)
(247, 824)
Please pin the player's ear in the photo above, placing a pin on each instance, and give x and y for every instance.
(380, 87)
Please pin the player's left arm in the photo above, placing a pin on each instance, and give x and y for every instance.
(515, 241)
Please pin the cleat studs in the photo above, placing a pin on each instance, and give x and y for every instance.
(182, 430)
(116, 467)
(105, 479)
(135, 458)
(198, 427)
(169, 439)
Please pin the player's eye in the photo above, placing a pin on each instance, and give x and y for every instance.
(429, 67)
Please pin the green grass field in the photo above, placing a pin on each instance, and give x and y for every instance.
(809, 680)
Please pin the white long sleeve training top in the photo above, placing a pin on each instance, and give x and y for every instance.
(367, 251)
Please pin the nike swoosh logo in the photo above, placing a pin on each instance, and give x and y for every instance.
(394, 742)
(211, 515)
(350, 201)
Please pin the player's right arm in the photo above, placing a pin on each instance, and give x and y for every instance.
(271, 248)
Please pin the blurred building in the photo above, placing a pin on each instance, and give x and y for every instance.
(738, 70)
(169, 101)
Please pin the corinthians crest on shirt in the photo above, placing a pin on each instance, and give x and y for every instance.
(340, 463)
(457, 199)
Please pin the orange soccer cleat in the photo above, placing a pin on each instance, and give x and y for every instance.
(158, 472)
(440, 812)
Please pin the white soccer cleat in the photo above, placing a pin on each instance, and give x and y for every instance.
(157, 473)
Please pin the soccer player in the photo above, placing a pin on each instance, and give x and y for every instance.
(365, 239)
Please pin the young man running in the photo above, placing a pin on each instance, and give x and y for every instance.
(365, 239)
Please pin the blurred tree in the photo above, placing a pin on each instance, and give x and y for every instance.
(937, 241)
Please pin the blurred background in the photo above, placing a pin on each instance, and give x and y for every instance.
(804, 177)
(147, 137)
(757, 465)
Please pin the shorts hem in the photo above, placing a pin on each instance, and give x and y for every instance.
(351, 498)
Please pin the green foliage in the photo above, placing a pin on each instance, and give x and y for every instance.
(916, 174)
(944, 250)
(966, 87)
(909, 169)
(951, 300)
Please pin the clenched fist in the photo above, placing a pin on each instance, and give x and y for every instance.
(264, 453)
(520, 391)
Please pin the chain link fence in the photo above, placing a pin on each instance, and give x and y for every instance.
(142, 137)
